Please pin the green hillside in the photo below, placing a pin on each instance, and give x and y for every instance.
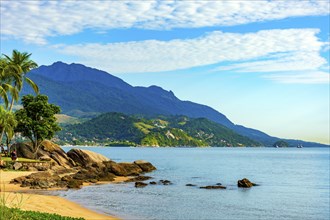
(121, 129)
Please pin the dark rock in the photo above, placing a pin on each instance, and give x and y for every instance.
(139, 179)
(86, 157)
(213, 187)
(19, 180)
(85, 175)
(245, 183)
(152, 183)
(24, 150)
(165, 182)
(218, 184)
(140, 184)
(17, 166)
(75, 184)
(145, 165)
(93, 181)
(106, 176)
(189, 184)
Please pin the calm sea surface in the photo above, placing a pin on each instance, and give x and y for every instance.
(294, 184)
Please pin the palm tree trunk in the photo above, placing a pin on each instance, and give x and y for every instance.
(11, 104)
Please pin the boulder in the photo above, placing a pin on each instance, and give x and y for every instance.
(165, 182)
(145, 165)
(86, 157)
(24, 150)
(40, 180)
(106, 176)
(47, 149)
(125, 169)
(189, 184)
(140, 184)
(245, 183)
(17, 166)
(138, 179)
(75, 184)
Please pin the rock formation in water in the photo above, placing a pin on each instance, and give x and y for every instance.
(74, 168)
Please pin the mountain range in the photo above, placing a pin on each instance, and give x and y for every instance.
(82, 91)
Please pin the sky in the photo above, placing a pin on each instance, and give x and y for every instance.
(264, 64)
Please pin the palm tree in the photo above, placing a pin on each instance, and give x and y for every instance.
(17, 66)
(8, 123)
(13, 73)
(5, 85)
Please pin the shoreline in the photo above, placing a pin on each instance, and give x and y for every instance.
(38, 200)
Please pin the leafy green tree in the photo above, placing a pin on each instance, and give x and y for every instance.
(36, 120)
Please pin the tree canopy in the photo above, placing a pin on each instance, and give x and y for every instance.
(36, 120)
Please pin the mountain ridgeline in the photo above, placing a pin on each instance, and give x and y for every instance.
(82, 91)
(121, 129)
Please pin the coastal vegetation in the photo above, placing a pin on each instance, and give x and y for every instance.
(36, 120)
(280, 143)
(115, 128)
(18, 214)
(13, 73)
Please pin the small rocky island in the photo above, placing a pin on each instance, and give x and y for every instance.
(71, 169)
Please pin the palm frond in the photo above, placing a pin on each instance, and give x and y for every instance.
(4, 96)
(32, 84)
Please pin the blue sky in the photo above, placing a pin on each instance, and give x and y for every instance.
(264, 64)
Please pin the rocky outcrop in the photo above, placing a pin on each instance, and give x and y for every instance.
(71, 170)
(48, 150)
(125, 169)
(86, 157)
(140, 184)
(40, 180)
(213, 187)
(165, 182)
(245, 183)
(145, 165)
(138, 179)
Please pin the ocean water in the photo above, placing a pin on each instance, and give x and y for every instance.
(294, 184)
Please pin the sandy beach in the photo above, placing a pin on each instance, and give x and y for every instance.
(27, 199)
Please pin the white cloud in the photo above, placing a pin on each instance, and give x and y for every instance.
(264, 51)
(34, 21)
(313, 77)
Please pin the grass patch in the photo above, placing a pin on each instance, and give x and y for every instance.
(18, 214)
(66, 119)
(21, 160)
(145, 128)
